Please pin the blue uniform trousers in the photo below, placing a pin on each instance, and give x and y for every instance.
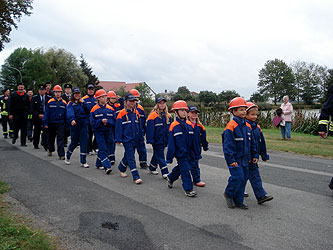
(112, 156)
(104, 141)
(129, 160)
(56, 130)
(183, 170)
(158, 159)
(195, 170)
(79, 133)
(256, 182)
(142, 151)
(236, 183)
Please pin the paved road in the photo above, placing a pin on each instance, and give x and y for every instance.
(75, 202)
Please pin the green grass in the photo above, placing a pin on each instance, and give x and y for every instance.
(300, 143)
(15, 232)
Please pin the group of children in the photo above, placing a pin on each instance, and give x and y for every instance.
(125, 123)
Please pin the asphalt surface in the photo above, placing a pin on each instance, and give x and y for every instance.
(88, 209)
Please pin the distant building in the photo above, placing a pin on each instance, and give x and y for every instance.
(167, 95)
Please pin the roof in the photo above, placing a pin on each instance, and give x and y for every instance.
(114, 85)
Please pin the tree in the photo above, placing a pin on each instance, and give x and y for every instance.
(227, 95)
(146, 96)
(276, 80)
(207, 96)
(328, 83)
(256, 97)
(183, 93)
(87, 70)
(12, 11)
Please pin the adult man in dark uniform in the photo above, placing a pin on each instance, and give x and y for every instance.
(67, 97)
(49, 92)
(4, 103)
(324, 119)
(30, 93)
(37, 109)
(18, 112)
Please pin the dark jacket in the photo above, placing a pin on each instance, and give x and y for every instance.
(36, 106)
(158, 129)
(326, 112)
(19, 104)
(259, 140)
(55, 112)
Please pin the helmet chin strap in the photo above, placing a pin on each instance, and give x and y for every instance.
(179, 115)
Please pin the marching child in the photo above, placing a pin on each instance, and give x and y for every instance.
(129, 132)
(238, 147)
(77, 118)
(199, 141)
(180, 146)
(254, 175)
(101, 121)
(158, 125)
(55, 121)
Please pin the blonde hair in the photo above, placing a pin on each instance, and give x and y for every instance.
(158, 112)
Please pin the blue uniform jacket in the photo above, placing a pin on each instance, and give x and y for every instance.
(259, 140)
(180, 140)
(143, 117)
(55, 112)
(157, 129)
(100, 112)
(238, 142)
(128, 126)
(117, 106)
(78, 112)
(199, 139)
(90, 101)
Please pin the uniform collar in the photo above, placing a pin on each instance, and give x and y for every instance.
(239, 120)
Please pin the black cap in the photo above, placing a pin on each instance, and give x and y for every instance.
(159, 99)
(130, 97)
(48, 82)
(67, 85)
(20, 83)
(41, 86)
(76, 90)
(89, 86)
(192, 108)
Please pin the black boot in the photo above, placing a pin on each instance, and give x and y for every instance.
(331, 184)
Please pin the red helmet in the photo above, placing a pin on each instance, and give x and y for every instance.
(111, 94)
(250, 105)
(237, 102)
(135, 92)
(99, 93)
(179, 105)
(57, 88)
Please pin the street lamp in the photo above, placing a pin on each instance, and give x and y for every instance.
(7, 65)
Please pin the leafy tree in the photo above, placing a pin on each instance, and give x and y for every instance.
(87, 70)
(207, 96)
(227, 95)
(183, 93)
(276, 80)
(146, 96)
(256, 97)
(328, 83)
(121, 91)
(11, 11)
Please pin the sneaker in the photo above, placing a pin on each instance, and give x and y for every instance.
(265, 198)
(331, 184)
(123, 174)
(144, 166)
(61, 157)
(200, 184)
(112, 163)
(49, 154)
(23, 145)
(5, 136)
(108, 171)
(246, 194)
(190, 193)
(170, 183)
(67, 162)
(36, 147)
(138, 181)
(165, 176)
(13, 141)
(154, 172)
(242, 206)
(101, 168)
(85, 165)
(229, 200)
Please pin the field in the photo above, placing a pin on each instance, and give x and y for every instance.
(300, 143)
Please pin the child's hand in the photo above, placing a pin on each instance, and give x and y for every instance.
(234, 164)
(255, 160)
(104, 121)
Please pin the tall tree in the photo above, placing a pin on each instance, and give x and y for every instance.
(257, 97)
(146, 95)
(207, 96)
(87, 70)
(227, 95)
(183, 93)
(11, 12)
(276, 79)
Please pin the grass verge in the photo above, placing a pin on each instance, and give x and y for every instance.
(300, 143)
(15, 233)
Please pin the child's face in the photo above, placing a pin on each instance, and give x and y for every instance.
(252, 114)
(161, 105)
(131, 104)
(57, 94)
(193, 114)
(240, 112)
(182, 113)
(102, 100)
(77, 96)
(113, 99)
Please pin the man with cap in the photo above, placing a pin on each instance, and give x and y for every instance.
(90, 100)
(67, 97)
(37, 109)
(30, 93)
(4, 103)
(18, 112)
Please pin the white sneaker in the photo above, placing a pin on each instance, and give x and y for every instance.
(165, 176)
(101, 168)
(67, 162)
(154, 172)
(85, 165)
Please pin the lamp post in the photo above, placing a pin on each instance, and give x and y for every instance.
(7, 65)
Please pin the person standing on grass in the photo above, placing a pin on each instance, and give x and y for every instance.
(287, 110)
(325, 126)
(77, 117)
(199, 142)
(254, 175)
(239, 150)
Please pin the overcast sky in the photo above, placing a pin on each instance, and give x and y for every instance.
(206, 45)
